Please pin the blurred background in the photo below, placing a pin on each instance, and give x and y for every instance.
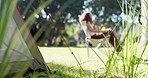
(65, 14)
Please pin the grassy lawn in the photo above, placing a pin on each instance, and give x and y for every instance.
(62, 71)
(62, 55)
(63, 64)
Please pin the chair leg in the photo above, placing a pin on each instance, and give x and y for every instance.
(97, 47)
(87, 45)
(95, 50)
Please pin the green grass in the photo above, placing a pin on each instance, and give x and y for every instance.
(63, 65)
(61, 56)
(62, 71)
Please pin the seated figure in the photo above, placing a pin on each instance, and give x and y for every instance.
(91, 32)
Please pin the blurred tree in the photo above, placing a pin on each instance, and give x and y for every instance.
(106, 11)
(65, 12)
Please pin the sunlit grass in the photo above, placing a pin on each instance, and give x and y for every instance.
(131, 56)
(62, 56)
(62, 71)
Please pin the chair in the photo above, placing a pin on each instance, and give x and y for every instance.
(94, 42)
(84, 19)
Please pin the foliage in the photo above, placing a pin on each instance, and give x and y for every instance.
(131, 56)
(62, 71)
(7, 8)
(65, 12)
(106, 11)
(6, 11)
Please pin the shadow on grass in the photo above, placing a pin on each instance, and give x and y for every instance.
(57, 71)
(61, 71)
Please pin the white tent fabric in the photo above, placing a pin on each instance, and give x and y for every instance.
(24, 54)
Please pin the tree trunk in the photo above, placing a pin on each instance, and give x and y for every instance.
(143, 19)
